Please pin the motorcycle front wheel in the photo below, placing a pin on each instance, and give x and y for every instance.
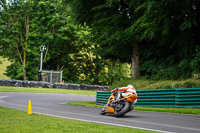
(121, 109)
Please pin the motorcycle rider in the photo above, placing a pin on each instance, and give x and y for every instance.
(128, 90)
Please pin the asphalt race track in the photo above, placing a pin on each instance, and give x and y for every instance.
(52, 104)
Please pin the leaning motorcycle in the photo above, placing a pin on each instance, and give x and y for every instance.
(120, 108)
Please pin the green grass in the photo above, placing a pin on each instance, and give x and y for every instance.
(194, 111)
(143, 84)
(16, 121)
(45, 90)
(84, 103)
(3, 64)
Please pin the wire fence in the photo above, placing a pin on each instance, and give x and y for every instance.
(50, 76)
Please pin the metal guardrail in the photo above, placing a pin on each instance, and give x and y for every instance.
(189, 97)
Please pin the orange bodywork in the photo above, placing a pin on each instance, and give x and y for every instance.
(109, 109)
(129, 98)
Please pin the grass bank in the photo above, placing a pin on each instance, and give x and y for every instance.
(143, 84)
(139, 84)
(16, 121)
(194, 111)
(3, 65)
(45, 90)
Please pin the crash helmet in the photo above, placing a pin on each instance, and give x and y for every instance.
(130, 87)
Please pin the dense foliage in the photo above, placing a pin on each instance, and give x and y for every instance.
(173, 29)
(25, 26)
(95, 42)
(164, 34)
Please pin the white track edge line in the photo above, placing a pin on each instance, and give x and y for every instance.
(105, 123)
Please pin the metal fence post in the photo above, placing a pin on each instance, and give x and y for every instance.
(61, 76)
(51, 76)
(42, 49)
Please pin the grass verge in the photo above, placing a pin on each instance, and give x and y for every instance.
(45, 90)
(3, 65)
(143, 84)
(16, 121)
(194, 111)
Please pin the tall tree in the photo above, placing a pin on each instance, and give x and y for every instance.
(161, 33)
(109, 20)
(15, 28)
(170, 29)
(25, 26)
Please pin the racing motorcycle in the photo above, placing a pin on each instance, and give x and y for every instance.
(121, 107)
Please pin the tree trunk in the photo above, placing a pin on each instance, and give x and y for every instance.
(25, 45)
(97, 71)
(135, 62)
(24, 72)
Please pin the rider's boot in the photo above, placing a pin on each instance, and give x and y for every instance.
(103, 110)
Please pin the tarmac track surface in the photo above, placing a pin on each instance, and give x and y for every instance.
(52, 104)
